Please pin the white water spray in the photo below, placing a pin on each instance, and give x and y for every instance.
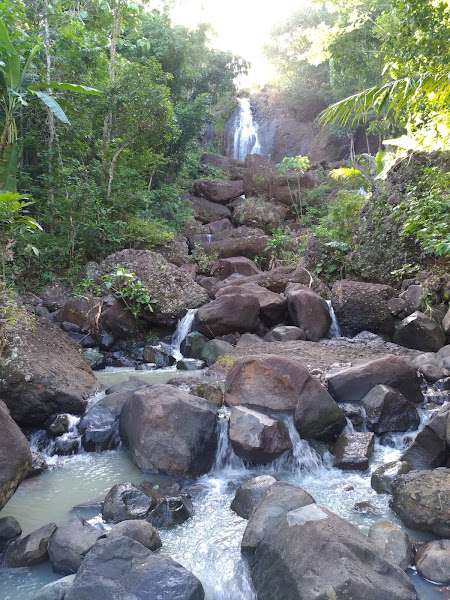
(183, 328)
(246, 133)
(334, 331)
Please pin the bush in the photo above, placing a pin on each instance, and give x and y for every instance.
(166, 206)
(257, 212)
(143, 233)
(343, 214)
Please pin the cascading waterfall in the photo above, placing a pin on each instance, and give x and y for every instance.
(183, 328)
(226, 459)
(334, 331)
(246, 132)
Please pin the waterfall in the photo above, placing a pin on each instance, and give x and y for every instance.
(246, 132)
(334, 330)
(226, 459)
(301, 458)
(183, 328)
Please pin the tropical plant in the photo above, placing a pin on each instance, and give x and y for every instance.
(130, 290)
(294, 165)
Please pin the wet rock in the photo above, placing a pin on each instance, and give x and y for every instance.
(106, 341)
(209, 391)
(48, 369)
(158, 355)
(208, 212)
(15, 456)
(38, 464)
(272, 306)
(94, 358)
(352, 451)
(279, 499)
(55, 590)
(127, 385)
(9, 529)
(70, 544)
(249, 494)
(419, 332)
(146, 577)
(308, 311)
(317, 416)
(215, 348)
(422, 498)
(431, 373)
(99, 428)
(126, 501)
(285, 333)
(430, 448)
(225, 267)
(433, 561)
(362, 306)
(220, 191)
(354, 413)
(171, 511)
(388, 410)
(365, 508)
(392, 541)
(314, 554)
(31, 549)
(190, 364)
(257, 438)
(169, 431)
(192, 345)
(227, 314)
(383, 476)
(353, 383)
(138, 530)
(58, 425)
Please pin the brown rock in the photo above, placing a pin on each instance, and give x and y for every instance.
(227, 314)
(225, 267)
(308, 311)
(273, 306)
(218, 190)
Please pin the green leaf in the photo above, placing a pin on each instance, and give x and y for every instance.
(5, 42)
(52, 104)
(9, 167)
(12, 70)
(28, 62)
(70, 87)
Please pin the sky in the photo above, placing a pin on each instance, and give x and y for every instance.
(243, 26)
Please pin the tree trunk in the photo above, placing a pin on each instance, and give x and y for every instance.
(50, 116)
(114, 161)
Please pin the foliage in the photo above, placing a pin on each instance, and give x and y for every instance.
(338, 224)
(166, 205)
(130, 290)
(226, 361)
(351, 177)
(12, 316)
(142, 232)
(297, 166)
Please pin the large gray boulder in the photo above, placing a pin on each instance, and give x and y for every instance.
(172, 289)
(44, 372)
(120, 567)
(207, 211)
(419, 332)
(433, 561)
(55, 590)
(362, 306)
(313, 554)
(353, 450)
(431, 448)
(220, 191)
(422, 499)
(31, 549)
(285, 333)
(224, 267)
(15, 456)
(354, 383)
(127, 501)
(256, 437)
(228, 314)
(388, 410)
(384, 475)
(308, 310)
(249, 495)
(392, 541)
(138, 530)
(70, 544)
(169, 431)
(9, 529)
(272, 306)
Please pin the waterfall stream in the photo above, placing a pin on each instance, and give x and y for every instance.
(334, 331)
(246, 132)
(183, 328)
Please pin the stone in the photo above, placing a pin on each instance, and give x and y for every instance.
(173, 290)
(257, 438)
(138, 530)
(120, 567)
(47, 368)
(218, 226)
(190, 270)
(431, 373)
(79, 311)
(70, 544)
(422, 500)
(383, 476)
(272, 305)
(212, 392)
(225, 267)
(227, 314)
(220, 191)
(308, 311)
(279, 498)
(249, 494)
(313, 554)
(55, 590)
(444, 351)
(119, 322)
(388, 410)
(127, 385)
(169, 431)
(317, 416)
(175, 250)
(446, 323)
(396, 306)
(9, 529)
(126, 501)
(353, 383)
(99, 427)
(361, 306)
(285, 333)
(171, 511)
(353, 450)
(216, 160)
(392, 541)
(192, 345)
(248, 339)
(57, 425)
(55, 295)
(430, 447)
(94, 358)
(241, 241)
(158, 354)
(31, 549)
(190, 364)
(433, 561)
(15, 455)
(215, 348)
(428, 358)
(412, 298)
(419, 332)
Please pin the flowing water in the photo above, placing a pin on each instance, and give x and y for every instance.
(183, 328)
(334, 331)
(208, 544)
(246, 132)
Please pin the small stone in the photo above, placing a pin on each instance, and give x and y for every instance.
(433, 561)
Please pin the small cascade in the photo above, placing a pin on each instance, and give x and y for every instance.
(209, 238)
(246, 132)
(62, 445)
(183, 328)
(334, 331)
(226, 459)
(301, 458)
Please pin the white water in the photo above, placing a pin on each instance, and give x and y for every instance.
(183, 328)
(334, 331)
(246, 133)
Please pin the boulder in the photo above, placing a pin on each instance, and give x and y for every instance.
(383, 476)
(190, 270)
(70, 544)
(248, 339)
(433, 561)
(215, 348)
(255, 437)
(257, 212)
(171, 511)
(218, 226)
(127, 385)
(241, 241)
(159, 354)
(220, 191)
(279, 498)
(422, 499)
(392, 541)
(317, 416)
(119, 321)
(313, 554)
(209, 212)
(228, 314)
(285, 333)
(140, 531)
(192, 345)
(48, 369)
(216, 160)
(419, 332)
(273, 306)
(353, 450)
(388, 410)
(31, 549)
(55, 590)
(428, 358)
(430, 449)
(190, 364)
(15, 456)
(431, 373)
(169, 431)
(9, 529)
(354, 383)
(249, 495)
(412, 298)
(446, 323)
(55, 295)
(308, 311)
(212, 392)
(120, 567)
(361, 306)
(172, 289)
(224, 267)
(126, 501)
(79, 311)
(175, 250)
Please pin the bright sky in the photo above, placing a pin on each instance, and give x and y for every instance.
(243, 26)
